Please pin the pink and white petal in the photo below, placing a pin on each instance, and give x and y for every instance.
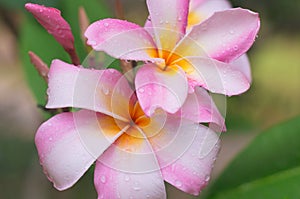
(185, 151)
(130, 168)
(216, 76)
(242, 64)
(225, 36)
(205, 9)
(121, 39)
(199, 107)
(96, 90)
(168, 26)
(191, 171)
(157, 88)
(69, 143)
(111, 183)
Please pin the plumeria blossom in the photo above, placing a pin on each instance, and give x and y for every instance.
(202, 56)
(134, 153)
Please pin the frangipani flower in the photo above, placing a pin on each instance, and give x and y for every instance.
(200, 57)
(134, 153)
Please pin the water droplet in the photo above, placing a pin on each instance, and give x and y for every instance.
(103, 179)
(178, 183)
(161, 21)
(50, 138)
(207, 178)
(92, 42)
(167, 22)
(101, 196)
(105, 90)
(141, 90)
(126, 178)
(231, 32)
(106, 24)
(235, 48)
(179, 18)
(147, 196)
(136, 187)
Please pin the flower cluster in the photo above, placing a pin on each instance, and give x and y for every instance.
(153, 133)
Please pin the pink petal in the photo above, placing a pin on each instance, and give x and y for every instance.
(200, 108)
(206, 8)
(105, 91)
(121, 39)
(217, 77)
(52, 21)
(129, 168)
(191, 171)
(169, 20)
(185, 151)
(225, 36)
(157, 88)
(242, 64)
(69, 143)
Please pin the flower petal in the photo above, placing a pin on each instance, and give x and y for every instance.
(157, 88)
(105, 91)
(169, 20)
(203, 9)
(199, 107)
(69, 143)
(185, 151)
(216, 76)
(111, 183)
(129, 167)
(242, 64)
(225, 36)
(191, 172)
(121, 39)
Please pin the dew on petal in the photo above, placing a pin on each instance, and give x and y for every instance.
(105, 90)
(178, 183)
(103, 179)
(92, 42)
(207, 178)
(141, 90)
(126, 178)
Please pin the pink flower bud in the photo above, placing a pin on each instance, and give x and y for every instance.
(51, 19)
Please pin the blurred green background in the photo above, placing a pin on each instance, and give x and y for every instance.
(273, 98)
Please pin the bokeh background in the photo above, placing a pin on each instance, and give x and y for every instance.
(273, 98)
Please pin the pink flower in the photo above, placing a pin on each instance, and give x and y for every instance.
(134, 153)
(203, 56)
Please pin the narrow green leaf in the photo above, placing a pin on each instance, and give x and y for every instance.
(273, 151)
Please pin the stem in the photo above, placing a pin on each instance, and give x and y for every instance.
(119, 9)
(74, 57)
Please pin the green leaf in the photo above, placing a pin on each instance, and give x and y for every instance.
(272, 154)
(283, 185)
(34, 38)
